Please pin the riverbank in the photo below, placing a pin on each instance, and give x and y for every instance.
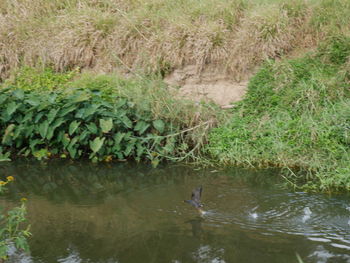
(296, 114)
(91, 85)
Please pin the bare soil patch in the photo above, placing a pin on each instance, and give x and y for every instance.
(210, 84)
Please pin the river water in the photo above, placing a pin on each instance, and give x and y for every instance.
(82, 212)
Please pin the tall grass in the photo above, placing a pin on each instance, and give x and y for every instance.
(296, 114)
(159, 35)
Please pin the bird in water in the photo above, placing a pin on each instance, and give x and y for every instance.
(196, 199)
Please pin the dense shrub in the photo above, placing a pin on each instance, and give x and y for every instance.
(79, 123)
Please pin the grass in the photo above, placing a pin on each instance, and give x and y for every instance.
(296, 115)
(159, 35)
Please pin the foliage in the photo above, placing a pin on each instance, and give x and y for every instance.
(11, 231)
(296, 114)
(103, 118)
(28, 78)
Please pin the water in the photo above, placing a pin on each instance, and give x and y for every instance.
(133, 213)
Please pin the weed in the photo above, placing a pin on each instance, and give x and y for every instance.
(11, 226)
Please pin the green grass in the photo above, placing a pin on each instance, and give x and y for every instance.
(296, 114)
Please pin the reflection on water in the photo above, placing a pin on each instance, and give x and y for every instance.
(81, 212)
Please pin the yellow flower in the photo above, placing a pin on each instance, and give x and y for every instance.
(3, 183)
(10, 178)
(23, 199)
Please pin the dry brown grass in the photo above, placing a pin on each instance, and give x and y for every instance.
(158, 35)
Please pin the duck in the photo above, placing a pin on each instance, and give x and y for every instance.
(196, 199)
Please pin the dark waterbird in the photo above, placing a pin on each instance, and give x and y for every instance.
(196, 199)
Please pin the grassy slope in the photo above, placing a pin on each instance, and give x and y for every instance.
(157, 35)
(296, 114)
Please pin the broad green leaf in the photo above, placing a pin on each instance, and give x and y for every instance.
(38, 117)
(3, 98)
(58, 122)
(11, 108)
(59, 137)
(127, 122)
(118, 137)
(43, 105)
(90, 110)
(84, 135)
(141, 126)
(128, 149)
(159, 125)
(120, 103)
(8, 134)
(96, 144)
(28, 116)
(106, 125)
(139, 149)
(52, 114)
(18, 118)
(73, 126)
(19, 94)
(33, 100)
(64, 111)
(49, 133)
(52, 97)
(92, 127)
(72, 151)
(18, 131)
(65, 140)
(73, 141)
(120, 155)
(52, 128)
(29, 131)
(80, 113)
(43, 128)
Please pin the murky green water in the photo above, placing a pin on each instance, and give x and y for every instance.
(132, 213)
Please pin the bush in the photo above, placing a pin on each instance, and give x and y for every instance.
(99, 117)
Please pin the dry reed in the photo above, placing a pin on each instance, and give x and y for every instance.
(159, 35)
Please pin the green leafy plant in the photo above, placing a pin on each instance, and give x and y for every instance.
(11, 226)
(101, 119)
